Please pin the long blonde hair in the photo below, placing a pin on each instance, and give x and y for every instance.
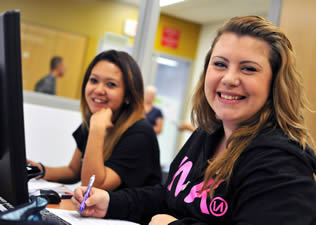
(132, 108)
(283, 108)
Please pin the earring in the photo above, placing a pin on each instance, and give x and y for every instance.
(126, 102)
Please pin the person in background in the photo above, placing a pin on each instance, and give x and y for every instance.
(115, 142)
(248, 161)
(47, 84)
(153, 114)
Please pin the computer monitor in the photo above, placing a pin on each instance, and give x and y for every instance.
(13, 174)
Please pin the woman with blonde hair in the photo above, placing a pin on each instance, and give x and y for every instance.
(248, 162)
(114, 142)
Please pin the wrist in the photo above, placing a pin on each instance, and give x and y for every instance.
(43, 170)
(99, 131)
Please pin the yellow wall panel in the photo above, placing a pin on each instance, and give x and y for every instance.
(298, 20)
(39, 45)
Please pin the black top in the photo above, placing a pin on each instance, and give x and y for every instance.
(135, 157)
(46, 85)
(272, 183)
(153, 115)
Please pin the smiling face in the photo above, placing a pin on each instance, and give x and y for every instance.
(105, 87)
(238, 78)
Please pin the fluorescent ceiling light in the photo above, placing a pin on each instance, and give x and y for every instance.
(167, 62)
(169, 2)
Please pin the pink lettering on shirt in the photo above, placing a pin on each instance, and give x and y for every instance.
(196, 193)
(218, 206)
(184, 169)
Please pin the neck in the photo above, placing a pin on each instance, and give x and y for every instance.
(54, 73)
(148, 107)
(228, 129)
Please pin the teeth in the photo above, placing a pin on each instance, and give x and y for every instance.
(229, 97)
(98, 100)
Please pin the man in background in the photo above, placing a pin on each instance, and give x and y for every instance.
(153, 114)
(47, 84)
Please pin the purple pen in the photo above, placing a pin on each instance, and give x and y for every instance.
(86, 194)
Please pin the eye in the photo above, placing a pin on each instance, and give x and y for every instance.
(93, 80)
(111, 84)
(219, 64)
(249, 69)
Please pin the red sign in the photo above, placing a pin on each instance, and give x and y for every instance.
(170, 37)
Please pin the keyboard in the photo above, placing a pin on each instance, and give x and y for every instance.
(4, 205)
(46, 215)
(52, 218)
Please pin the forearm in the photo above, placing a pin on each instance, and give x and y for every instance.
(137, 204)
(93, 161)
(61, 174)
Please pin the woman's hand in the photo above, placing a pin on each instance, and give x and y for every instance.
(34, 164)
(162, 219)
(101, 120)
(38, 165)
(96, 204)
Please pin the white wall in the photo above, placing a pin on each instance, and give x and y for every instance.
(48, 132)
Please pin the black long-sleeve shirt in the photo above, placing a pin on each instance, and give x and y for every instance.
(272, 183)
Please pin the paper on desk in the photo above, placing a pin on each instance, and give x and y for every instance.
(72, 187)
(36, 184)
(74, 218)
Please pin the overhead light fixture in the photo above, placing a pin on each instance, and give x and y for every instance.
(167, 62)
(169, 2)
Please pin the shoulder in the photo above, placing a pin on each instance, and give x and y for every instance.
(140, 126)
(199, 142)
(81, 130)
(139, 138)
(47, 79)
(156, 109)
(275, 152)
(275, 139)
(138, 130)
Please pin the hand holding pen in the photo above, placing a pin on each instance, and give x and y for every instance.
(96, 205)
(86, 195)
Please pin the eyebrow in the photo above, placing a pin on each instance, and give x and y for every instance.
(107, 78)
(242, 62)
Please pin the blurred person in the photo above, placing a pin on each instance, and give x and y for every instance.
(47, 84)
(153, 114)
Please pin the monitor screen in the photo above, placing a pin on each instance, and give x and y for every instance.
(13, 174)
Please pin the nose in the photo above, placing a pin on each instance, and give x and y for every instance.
(231, 78)
(100, 89)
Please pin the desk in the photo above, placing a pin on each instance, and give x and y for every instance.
(64, 204)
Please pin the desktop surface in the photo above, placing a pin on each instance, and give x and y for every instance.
(64, 204)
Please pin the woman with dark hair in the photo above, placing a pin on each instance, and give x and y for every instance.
(114, 142)
(248, 161)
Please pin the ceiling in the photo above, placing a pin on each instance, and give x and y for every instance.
(210, 11)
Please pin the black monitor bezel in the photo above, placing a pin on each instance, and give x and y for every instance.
(13, 186)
